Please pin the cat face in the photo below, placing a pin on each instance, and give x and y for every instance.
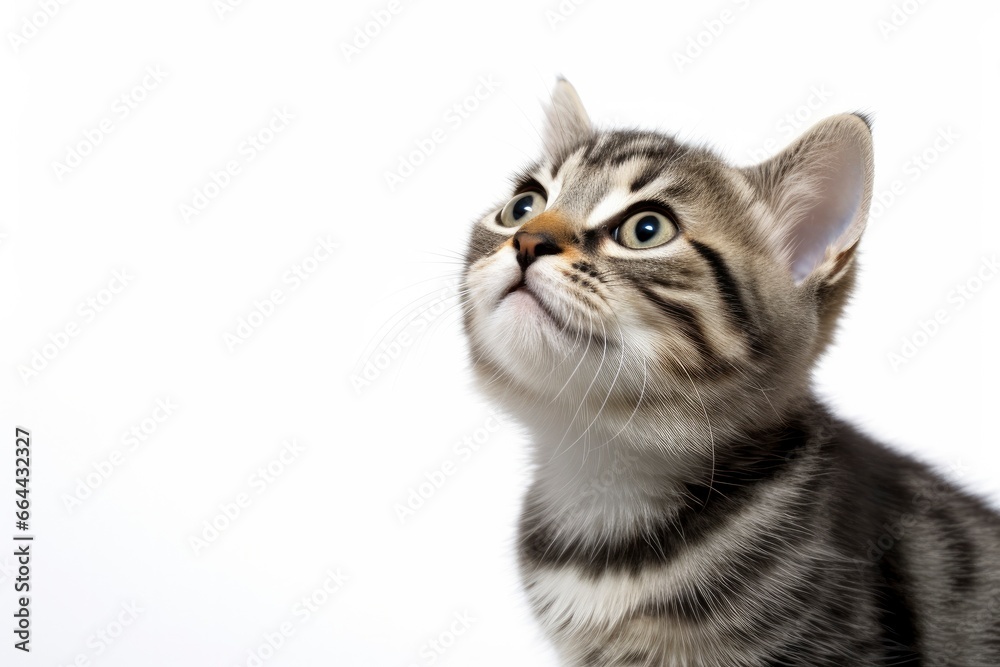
(629, 263)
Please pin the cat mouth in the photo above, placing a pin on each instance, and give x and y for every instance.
(522, 287)
(555, 321)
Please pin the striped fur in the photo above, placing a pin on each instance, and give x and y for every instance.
(693, 504)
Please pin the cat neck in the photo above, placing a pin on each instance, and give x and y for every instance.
(620, 471)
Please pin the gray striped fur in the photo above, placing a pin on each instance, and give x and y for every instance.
(693, 504)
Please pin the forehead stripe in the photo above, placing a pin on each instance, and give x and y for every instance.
(612, 204)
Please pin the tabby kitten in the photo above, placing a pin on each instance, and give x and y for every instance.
(652, 315)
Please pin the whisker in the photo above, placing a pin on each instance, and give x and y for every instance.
(708, 422)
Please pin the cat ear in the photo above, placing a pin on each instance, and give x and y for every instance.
(566, 121)
(820, 189)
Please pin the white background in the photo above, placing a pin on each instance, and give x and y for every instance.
(324, 176)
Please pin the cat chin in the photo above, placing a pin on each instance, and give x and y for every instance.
(524, 307)
(534, 363)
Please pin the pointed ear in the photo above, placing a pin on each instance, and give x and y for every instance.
(566, 121)
(820, 189)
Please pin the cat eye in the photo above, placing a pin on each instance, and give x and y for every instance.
(646, 229)
(523, 207)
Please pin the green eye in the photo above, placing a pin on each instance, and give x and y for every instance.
(647, 229)
(523, 207)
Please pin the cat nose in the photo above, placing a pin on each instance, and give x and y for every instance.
(532, 245)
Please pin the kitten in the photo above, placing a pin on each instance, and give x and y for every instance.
(652, 315)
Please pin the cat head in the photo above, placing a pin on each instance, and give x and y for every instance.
(626, 266)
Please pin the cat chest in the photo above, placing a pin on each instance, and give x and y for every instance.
(618, 615)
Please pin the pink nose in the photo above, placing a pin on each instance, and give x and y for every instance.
(532, 245)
